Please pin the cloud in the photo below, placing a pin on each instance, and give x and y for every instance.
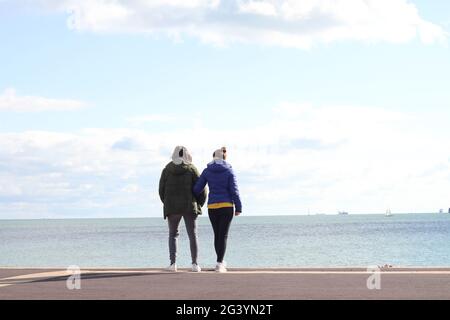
(49, 172)
(308, 157)
(287, 23)
(258, 8)
(10, 101)
(149, 118)
(125, 143)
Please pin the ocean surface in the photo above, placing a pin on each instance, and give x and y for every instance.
(275, 241)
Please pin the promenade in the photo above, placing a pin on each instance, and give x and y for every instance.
(237, 284)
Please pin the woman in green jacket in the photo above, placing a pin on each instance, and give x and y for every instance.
(175, 190)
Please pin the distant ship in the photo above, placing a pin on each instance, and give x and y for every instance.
(343, 213)
(388, 213)
(441, 211)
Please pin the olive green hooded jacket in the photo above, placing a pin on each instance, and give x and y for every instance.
(176, 190)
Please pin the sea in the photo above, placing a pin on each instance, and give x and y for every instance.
(254, 241)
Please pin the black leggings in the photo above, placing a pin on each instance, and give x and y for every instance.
(220, 220)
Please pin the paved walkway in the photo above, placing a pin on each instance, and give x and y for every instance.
(237, 284)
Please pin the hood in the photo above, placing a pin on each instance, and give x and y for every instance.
(177, 169)
(219, 166)
(181, 155)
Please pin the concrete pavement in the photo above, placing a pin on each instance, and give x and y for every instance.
(237, 284)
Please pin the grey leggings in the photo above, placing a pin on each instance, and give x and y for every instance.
(190, 220)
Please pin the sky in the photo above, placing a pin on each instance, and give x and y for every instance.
(324, 105)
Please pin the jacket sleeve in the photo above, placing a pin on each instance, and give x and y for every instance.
(200, 185)
(234, 191)
(162, 185)
(201, 195)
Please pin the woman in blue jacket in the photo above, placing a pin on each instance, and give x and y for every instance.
(223, 197)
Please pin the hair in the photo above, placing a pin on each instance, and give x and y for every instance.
(224, 151)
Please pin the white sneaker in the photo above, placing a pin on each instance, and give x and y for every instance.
(196, 268)
(221, 267)
(172, 268)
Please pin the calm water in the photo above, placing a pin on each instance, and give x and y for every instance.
(284, 241)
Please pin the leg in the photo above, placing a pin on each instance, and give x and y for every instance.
(190, 220)
(215, 219)
(226, 216)
(174, 222)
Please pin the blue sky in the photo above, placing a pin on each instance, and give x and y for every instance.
(327, 107)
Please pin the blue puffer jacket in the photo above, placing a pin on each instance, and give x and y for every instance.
(222, 184)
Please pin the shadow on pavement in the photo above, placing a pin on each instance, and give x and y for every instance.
(83, 276)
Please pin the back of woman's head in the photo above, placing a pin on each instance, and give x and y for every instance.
(220, 154)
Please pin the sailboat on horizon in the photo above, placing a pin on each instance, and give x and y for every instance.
(388, 213)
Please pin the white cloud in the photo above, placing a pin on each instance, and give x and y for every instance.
(131, 188)
(321, 158)
(257, 8)
(10, 101)
(149, 118)
(289, 23)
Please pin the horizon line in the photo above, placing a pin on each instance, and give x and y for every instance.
(205, 216)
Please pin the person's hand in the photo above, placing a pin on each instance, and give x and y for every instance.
(237, 213)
